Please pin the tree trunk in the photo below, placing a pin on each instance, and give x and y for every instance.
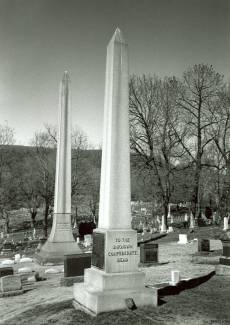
(45, 223)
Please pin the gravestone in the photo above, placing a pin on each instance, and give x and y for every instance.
(148, 253)
(6, 271)
(74, 266)
(203, 245)
(114, 275)
(225, 223)
(88, 240)
(10, 283)
(183, 239)
(175, 277)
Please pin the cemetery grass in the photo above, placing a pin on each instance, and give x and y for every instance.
(203, 305)
(206, 304)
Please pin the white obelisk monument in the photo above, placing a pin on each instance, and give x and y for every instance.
(114, 275)
(61, 240)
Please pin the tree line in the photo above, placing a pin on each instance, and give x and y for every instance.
(179, 142)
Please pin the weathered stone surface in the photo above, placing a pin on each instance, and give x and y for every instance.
(75, 264)
(149, 253)
(10, 283)
(203, 245)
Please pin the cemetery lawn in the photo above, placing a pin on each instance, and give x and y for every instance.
(203, 305)
(48, 303)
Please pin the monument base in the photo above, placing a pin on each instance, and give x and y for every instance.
(104, 292)
(54, 252)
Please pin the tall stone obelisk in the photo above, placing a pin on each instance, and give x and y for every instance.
(61, 240)
(114, 274)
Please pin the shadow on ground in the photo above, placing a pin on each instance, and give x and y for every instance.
(205, 304)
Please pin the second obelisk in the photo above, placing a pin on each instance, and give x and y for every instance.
(61, 240)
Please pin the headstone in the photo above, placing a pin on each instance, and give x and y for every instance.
(192, 222)
(183, 239)
(163, 224)
(170, 229)
(225, 223)
(114, 275)
(75, 264)
(61, 240)
(10, 283)
(17, 258)
(175, 277)
(148, 253)
(6, 271)
(88, 240)
(203, 245)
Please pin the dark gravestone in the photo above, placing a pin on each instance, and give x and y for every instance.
(149, 253)
(75, 264)
(226, 248)
(225, 261)
(6, 271)
(203, 245)
(98, 252)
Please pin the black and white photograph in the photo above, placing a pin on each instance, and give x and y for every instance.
(115, 162)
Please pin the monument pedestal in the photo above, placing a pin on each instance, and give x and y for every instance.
(54, 252)
(60, 242)
(114, 275)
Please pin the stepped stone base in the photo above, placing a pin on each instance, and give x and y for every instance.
(54, 252)
(103, 292)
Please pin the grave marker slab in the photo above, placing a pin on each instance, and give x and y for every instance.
(10, 283)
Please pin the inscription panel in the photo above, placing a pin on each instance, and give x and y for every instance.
(122, 254)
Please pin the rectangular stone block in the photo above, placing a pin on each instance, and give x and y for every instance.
(98, 252)
(6, 271)
(75, 264)
(226, 248)
(149, 253)
(10, 283)
(225, 261)
(203, 245)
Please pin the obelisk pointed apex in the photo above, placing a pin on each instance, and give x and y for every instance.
(66, 76)
(118, 36)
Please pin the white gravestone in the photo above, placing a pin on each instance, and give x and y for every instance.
(17, 258)
(175, 277)
(183, 239)
(88, 240)
(225, 223)
(163, 224)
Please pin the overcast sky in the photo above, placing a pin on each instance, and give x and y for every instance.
(39, 39)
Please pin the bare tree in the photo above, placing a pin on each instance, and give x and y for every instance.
(220, 132)
(153, 111)
(8, 176)
(198, 100)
